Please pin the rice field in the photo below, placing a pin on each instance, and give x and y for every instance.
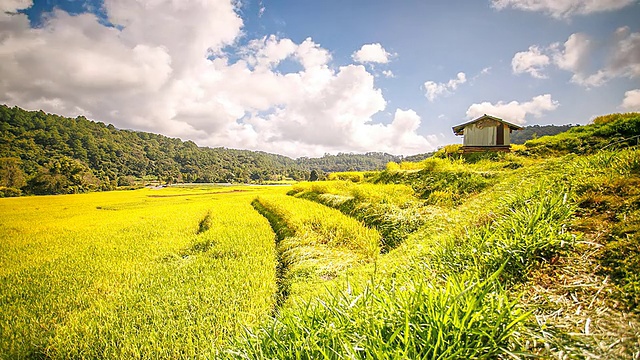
(170, 273)
(332, 270)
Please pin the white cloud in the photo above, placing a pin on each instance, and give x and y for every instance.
(531, 61)
(14, 5)
(514, 111)
(312, 55)
(626, 58)
(575, 54)
(373, 53)
(388, 73)
(621, 58)
(269, 51)
(631, 100)
(164, 70)
(434, 89)
(563, 8)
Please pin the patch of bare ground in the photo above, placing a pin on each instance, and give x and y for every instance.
(580, 308)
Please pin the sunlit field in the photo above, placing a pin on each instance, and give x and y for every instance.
(162, 273)
(482, 256)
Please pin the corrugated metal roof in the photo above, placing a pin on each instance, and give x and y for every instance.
(458, 130)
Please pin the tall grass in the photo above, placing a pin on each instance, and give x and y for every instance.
(457, 302)
(461, 317)
(530, 228)
(446, 182)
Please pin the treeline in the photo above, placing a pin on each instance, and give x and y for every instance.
(536, 131)
(42, 153)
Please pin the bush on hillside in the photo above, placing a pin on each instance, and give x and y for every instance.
(9, 192)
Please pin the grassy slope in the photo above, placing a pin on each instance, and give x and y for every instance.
(539, 259)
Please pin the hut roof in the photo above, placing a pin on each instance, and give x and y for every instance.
(459, 130)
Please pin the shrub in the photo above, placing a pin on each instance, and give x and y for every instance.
(9, 192)
(352, 176)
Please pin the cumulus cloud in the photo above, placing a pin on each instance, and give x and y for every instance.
(631, 100)
(514, 111)
(562, 8)
(388, 73)
(531, 61)
(165, 67)
(269, 51)
(13, 5)
(621, 58)
(372, 53)
(434, 89)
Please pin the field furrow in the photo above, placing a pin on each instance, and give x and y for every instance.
(315, 243)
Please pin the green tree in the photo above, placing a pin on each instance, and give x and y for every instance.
(316, 175)
(63, 175)
(11, 174)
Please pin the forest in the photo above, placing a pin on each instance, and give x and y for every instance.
(43, 153)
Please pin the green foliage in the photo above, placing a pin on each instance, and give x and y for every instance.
(11, 174)
(608, 184)
(205, 223)
(9, 192)
(621, 258)
(63, 176)
(433, 179)
(316, 175)
(529, 229)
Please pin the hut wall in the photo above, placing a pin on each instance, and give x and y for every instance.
(480, 136)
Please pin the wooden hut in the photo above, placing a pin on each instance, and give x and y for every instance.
(486, 133)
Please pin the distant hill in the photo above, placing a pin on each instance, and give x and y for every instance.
(43, 153)
(536, 131)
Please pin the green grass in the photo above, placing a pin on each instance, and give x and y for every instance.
(615, 130)
(480, 258)
(457, 318)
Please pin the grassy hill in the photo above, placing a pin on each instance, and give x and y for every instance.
(496, 256)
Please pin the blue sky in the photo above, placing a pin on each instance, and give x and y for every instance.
(304, 78)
